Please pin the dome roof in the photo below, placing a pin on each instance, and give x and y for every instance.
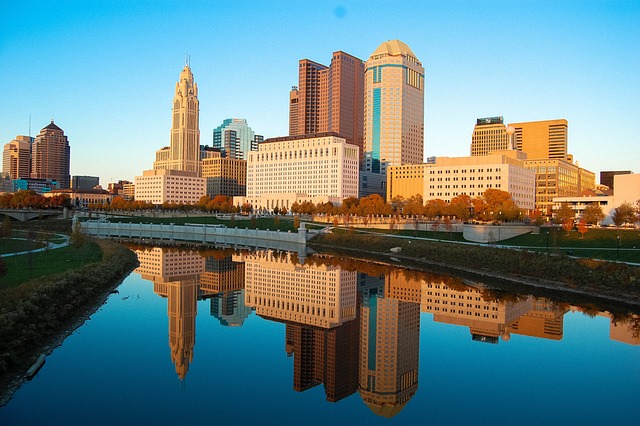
(393, 48)
(385, 410)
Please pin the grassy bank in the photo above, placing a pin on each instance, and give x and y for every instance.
(37, 313)
(609, 280)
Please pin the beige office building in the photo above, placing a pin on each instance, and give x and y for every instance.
(558, 178)
(317, 168)
(16, 158)
(449, 177)
(490, 135)
(546, 139)
(321, 296)
(394, 108)
(224, 176)
(169, 186)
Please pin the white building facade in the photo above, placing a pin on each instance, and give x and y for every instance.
(321, 167)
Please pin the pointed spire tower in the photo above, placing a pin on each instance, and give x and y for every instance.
(183, 152)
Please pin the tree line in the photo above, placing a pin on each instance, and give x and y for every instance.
(30, 199)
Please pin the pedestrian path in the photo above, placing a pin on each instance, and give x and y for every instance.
(48, 246)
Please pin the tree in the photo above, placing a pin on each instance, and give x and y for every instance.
(296, 221)
(460, 207)
(435, 208)
(593, 214)
(564, 213)
(77, 235)
(582, 227)
(624, 213)
(414, 205)
(536, 217)
(5, 230)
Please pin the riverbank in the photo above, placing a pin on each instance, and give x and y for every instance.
(605, 283)
(37, 316)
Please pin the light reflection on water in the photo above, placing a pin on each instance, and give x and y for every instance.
(356, 341)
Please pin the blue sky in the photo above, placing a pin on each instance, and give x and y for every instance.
(105, 71)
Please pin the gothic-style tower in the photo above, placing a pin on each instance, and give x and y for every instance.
(184, 150)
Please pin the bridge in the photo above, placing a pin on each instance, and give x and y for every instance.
(24, 215)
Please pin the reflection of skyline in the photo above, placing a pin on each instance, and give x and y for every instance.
(344, 329)
(322, 296)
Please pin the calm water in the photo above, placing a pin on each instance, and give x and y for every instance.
(261, 338)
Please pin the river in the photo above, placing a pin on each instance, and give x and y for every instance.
(229, 337)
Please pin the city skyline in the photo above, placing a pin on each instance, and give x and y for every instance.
(102, 70)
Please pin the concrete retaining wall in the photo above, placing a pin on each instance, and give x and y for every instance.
(200, 234)
(494, 233)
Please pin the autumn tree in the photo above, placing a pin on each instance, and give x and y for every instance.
(414, 205)
(593, 214)
(435, 208)
(536, 217)
(582, 227)
(460, 207)
(624, 213)
(565, 217)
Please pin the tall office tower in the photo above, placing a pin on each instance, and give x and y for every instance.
(394, 108)
(50, 156)
(235, 138)
(390, 351)
(490, 135)
(184, 151)
(606, 177)
(542, 139)
(85, 182)
(16, 157)
(329, 99)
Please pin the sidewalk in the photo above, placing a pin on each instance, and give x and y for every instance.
(49, 246)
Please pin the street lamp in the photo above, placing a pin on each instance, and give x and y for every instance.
(547, 241)
(617, 246)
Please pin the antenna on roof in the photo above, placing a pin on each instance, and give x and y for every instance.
(29, 126)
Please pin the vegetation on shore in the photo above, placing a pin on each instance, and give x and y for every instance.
(35, 313)
(608, 279)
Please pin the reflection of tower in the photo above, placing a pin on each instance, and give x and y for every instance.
(182, 309)
(318, 306)
(324, 356)
(175, 275)
(389, 345)
(229, 308)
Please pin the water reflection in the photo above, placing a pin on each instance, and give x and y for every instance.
(350, 326)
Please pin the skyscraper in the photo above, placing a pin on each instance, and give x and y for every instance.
(175, 177)
(235, 138)
(542, 140)
(16, 157)
(491, 135)
(329, 99)
(394, 108)
(184, 151)
(50, 156)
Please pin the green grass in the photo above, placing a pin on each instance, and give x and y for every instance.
(13, 246)
(596, 244)
(29, 266)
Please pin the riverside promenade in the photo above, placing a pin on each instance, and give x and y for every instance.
(215, 235)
